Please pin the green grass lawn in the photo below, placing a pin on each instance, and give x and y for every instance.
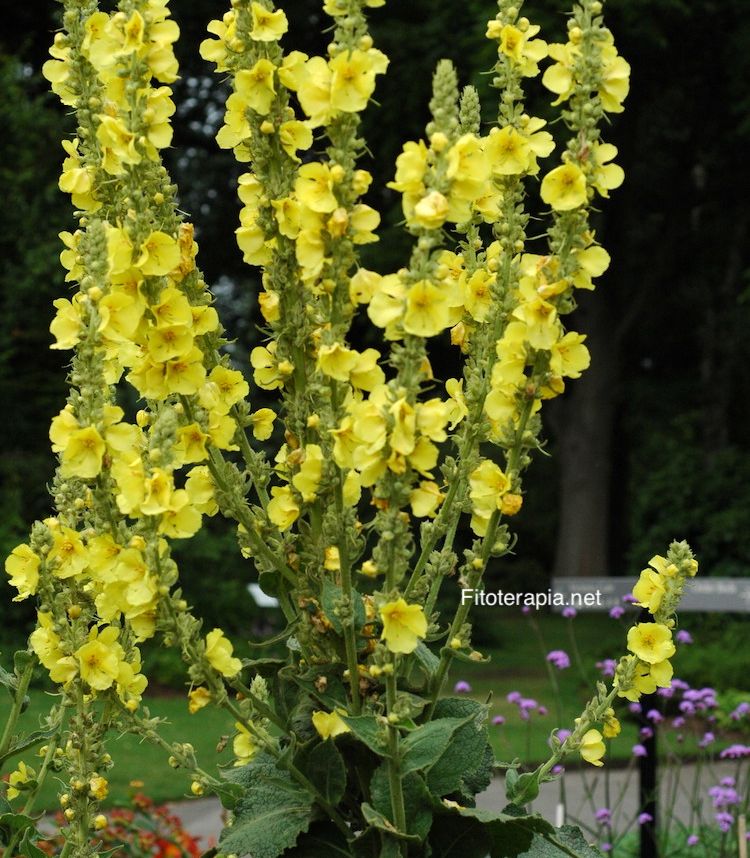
(517, 663)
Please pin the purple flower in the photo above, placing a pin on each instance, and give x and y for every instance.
(616, 612)
(724, 796)
(558, 770)
(708, 738)
(462, 687)
(724, 820)
(654, 715)
(528, 703)
(727, 782)
(525, 610)
(735, 752)
(603, 815)
(498, 720)
(680, 684)
(563, 734)
(645, 732)
(741, 710)
(569, 613)
(687, 708)
(639, 751)
(559, 658)
(629, 599)
(606, 847)
(678, 722)
(665, 692)
(513, 697)
(634, 708)
(693, 840)
(607, 667)
(643, 818)
(683, 637)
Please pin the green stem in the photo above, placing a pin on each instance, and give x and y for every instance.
(394, 762)
(10, 725)
(214, 462)
(350, 633)
(30, 801)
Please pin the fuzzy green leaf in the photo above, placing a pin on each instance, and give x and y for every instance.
(270, 815)
(324, 766)
(323, 840)
(465, 766)
(367, 729)
(458, 838)
(425, 745)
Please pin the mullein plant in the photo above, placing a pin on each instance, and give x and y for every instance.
(348, 744)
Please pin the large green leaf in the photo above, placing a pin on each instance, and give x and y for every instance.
(425, 745)
(510, 835)
(565, 842)
(323, 840)
(270, 815)
(451, 837)
(368, 730)
(417, 802)
(23, 743)
(324, 766)
(466, 763)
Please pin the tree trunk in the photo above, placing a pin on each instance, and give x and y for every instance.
(585, 427)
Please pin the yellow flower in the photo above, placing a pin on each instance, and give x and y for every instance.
(337, 361)
(646, 679)
(263, 361)
(98, 787)
(403, 625)
(307, 479)
(592, 747)
(427, 310)
(606, 177)
(294, 135)
(425, 499)
(23, 774)
(82, 456)
(612, 726)
(267, 26)
(314, 187)
(353, 78)
(22, 566)
(160, 254)
(99, 659)
(256, 85)
(282, 508)
(66, 326)
(68, 555)
(477, 294)
(487, 484)
(219, 654)
(313, 84)
(651, 642)
(243, 745)
(564, 188)
(431, 211)
(198, 698)
(568, 356)
(329, 724)
(649, 590)
(262, 423)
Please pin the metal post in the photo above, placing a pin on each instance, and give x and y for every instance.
(647, 788)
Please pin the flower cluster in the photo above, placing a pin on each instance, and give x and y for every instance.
(372, 445)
